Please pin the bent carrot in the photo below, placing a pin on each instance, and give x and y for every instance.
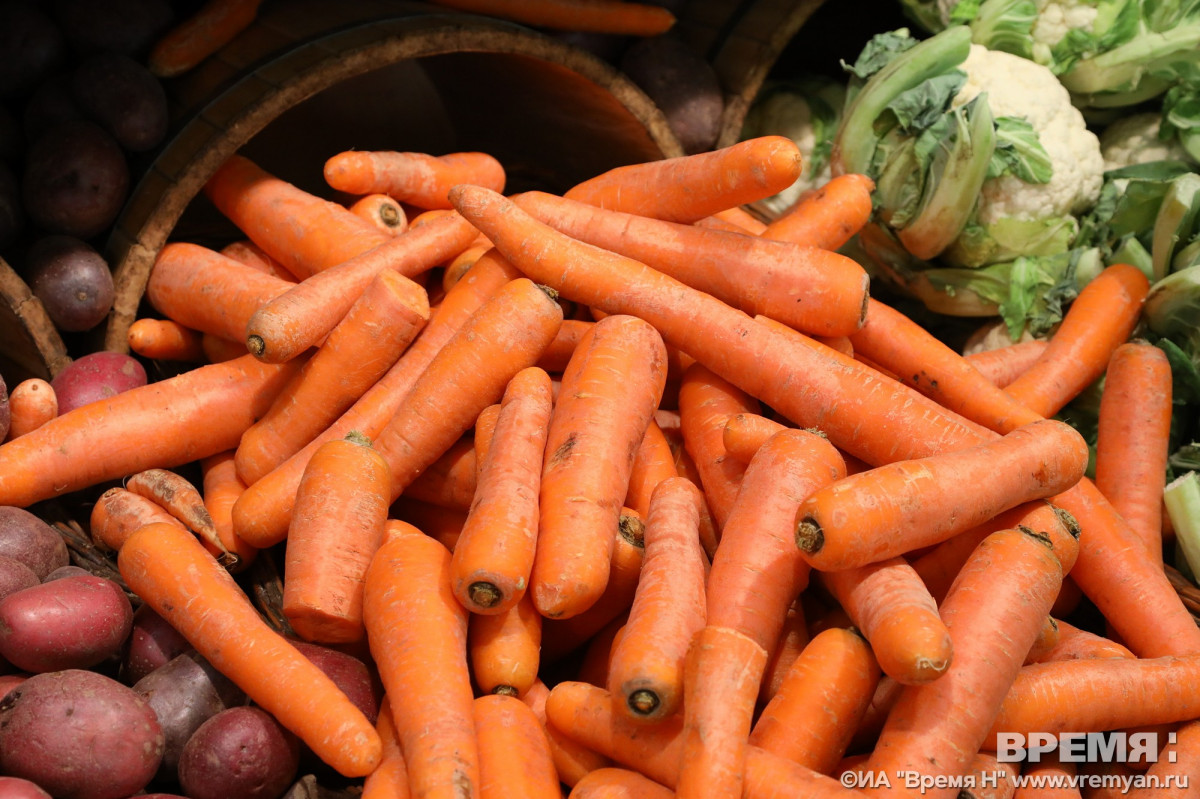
(390, 779)
(169, 569)
(504, 647)
(653, 463)
(418, 179)
(118, 512)
(183, 501)
(417, 632)
(572, 761)
(690, 187)
(164, 340)
(31, 403)
(514, 754)
(206, 31)
(827, 217)
(381, 211)
(619, 783)
(222, 487)
(603, 16)
(1002, 365)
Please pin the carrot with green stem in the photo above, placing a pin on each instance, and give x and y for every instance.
(170, 570)
(1002, 365)
(381, 211)
(514, 753)
(610, 390)
(118, 513)
(390, 779)
(206, 31)
(494, 556)
(221, 488)
(164, 340)
(572, 760)
(827, 217)
(598, 16)
(418, 179)
(503, 648)
(450, 481)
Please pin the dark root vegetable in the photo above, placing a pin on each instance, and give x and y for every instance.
(25, 537)
(72, 623)
(242, 751)
(682, 84)
(96, 376)
(122, 95)
(72, 280)
(12, 215)
(75, 180)
(32, 45)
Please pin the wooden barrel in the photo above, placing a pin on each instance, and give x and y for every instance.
(314, 77)
(30, 345)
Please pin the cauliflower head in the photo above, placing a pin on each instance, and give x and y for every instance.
(1135, 140)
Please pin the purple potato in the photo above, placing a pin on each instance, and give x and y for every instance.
(32, 44)
(72, 280)
(682, 84)
(153, 643)
(124, 97)
(243, 752)
(15, 576)
(76, 179)
(63, 572)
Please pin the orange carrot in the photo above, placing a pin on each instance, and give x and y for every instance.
(169, 569)
(1098, 321)
(619, 783)
(742, 218)
(691, 187)
(417, 632)
(989, 778)
(827, 217)
(610, 390)
(600, 16)
(514, 753)
(205, 291)
(442, 524)
(248, 253)
(1077, 644)
(494, 556)
(219, 350)
(206, 31)
(419, 179)
(164, 340)
(183, 501)
(745, 433)
(593, 663)
(820, 702)
(1002, 365)
(1046, 641)
(458, 266)
(302, 316)
(305, 233)
(222, 487)
(645, 675)
(1049, 778)
(390, 779)
(572, 761)
(451, 480)
(653, 463)
(889, 510)
(559, 353)
(810, 289)
(784, 653)
(1132, 440)
(1176, 767)
(118, 512)
(503, 648)
(358, 351)
(381, 211)
(31, 403)
(481, 437)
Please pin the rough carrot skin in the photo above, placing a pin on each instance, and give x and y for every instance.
(1176, 767)
(787, 648)
(164, 424)
(183, 501)
(504, 648)
(118, 512)
(164, 340)
(221, 488)
(1003, 365)
(169, 569)
(619, 783)
(250, 254)
(417, 632)
(559, 353)
(514, 753)
(827, 217)
(1046, 641)
(31, 403)
(419, 179)
(653, 463)
(1076, 644)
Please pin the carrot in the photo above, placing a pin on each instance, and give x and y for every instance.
(1077, 644)
(888, 602)
(302, 316)
(419, 179)
(164, 340)
(222, 487)
(443, 524)
(594, 662)
(1132, 440)
(559, 353)
(887, 692)
(1002, 365)
(610, 390)
(1176, 767)
(219, 350)
(169, 569)
(1098, 321)
(417, 632)
(305, 233)
(248, 253)
(993, 613)
(600, 16)
(118, 512)
(262, 514)
(450, 481)
(653, 463)
(31, 403)
(690, 187)
(645, 675)
(572, 761)
(481, 438)
(358, 351)
(745, 433)
(504, 648)
(514, 754)
(820, 702)
(784, 653)
(810, 289)
(458, 266)
(889, 510)
(494, 556)
(381, 211)
(619, 783)
(1049, 778)
(205, 291)
(206, 31)
(390, 779)
(989, 778)
(183, 501)
(827, 217)
(721, 679)
(742, 218)
(1046, 641)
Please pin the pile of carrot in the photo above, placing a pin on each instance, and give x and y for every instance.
(624, 492)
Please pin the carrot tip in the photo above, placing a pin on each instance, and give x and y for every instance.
(506, 690)
(256, 345)
(643, 702)
(484, 594)
(632, 529)
(809, 536)
(389, 215)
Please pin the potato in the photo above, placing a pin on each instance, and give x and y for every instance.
(96, 376)
(153, 643)
(73, 623)
(11, 681)
(79, 735)
(32, 45)
(66, 571)
(243, 752)
(682, 84)
(76, 179)
(14, 576)
(124, 26)
(348, 673)
(124, 97)
(51, 104)
(72, 280)
(184, 694)
(17, 788)
(27, 538)
(12, 214)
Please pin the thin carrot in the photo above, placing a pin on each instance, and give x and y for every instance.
(206, 31)
(481, 437)
(619, 783)
(183, 501)
(221, 488)
(164, 340)
(302, 316)
(690, 187)
(514, 753)
(887, 692)
(118, 512)
(1132, 439)
(827, 217)
(31, 403)
(602, 16)
(820, 702)
(418, 179)
(892, 509)
(840, 343)
(359, 350)
(645, 675)
(451, 480)
(1078, 644)
(381, 211)
(250, 254)
(559, 353)
(572, 760)
(745, 433)
(888, 602)
(610, 390)
(442, 524)
(417, 632)
(783, 654)
(1002, 365)
(810, 289)
(593, 664)
(653, 463)
(1098, 321)
(390, 779)
(169, 569)
(203, 290)
(494, 556)
(305, 233)
(504, 648)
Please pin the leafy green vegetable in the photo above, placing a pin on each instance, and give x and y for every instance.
(1019, 152)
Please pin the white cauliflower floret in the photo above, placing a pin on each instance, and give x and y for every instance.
(1055, 19)
(1134, 140)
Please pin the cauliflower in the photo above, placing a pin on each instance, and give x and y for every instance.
(1135, 140)
(1055, 19)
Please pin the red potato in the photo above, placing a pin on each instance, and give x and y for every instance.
(96, 376)
(79, 735)
(75, 180)
(153, 643)
(242, 752)
(66, 571)
(72, 280)
(349, 673)
(73, 623)
(15, 576)
(25, 537)
(17, 788)
(11, 681)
